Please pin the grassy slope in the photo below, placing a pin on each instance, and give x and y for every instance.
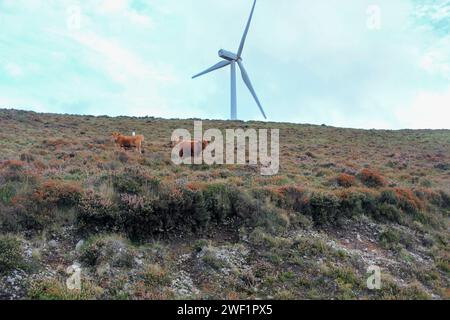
(309, 232)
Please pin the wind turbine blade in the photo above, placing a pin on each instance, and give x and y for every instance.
(241, 47)
(250, 87)
(219, 65)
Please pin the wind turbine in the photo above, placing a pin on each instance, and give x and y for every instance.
(230, 58)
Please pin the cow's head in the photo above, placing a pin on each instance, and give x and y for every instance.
(115, 135)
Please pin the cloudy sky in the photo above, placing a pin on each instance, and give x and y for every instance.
(351, 63)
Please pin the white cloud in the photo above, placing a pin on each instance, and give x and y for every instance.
(121, 8)
(113, 6)
(429, 110)
(13, 70)
(121, 64)
(436, 59)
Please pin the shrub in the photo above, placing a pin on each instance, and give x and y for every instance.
(155, 275)
(7, 192)
(55, 290)
(193, 205)
(345, 180)
(172, 210)
(17, 171)
(126, 184)
(139, 217)
(219, 201)
(371, 179)
(388, 212)
(58, 193)
(323, 208)
(200, 244)
(310, 247)
(97, 213)
(112, 249)
(26, 157)
(293, 197)
(135, 181)
(245, 206)
(18, 216)
(389, 239)
(436, 197)
(13, 165)
(355, 203)
(389, 196)
(408, 201)
(273, 220)
(445, 200)
(10, 253)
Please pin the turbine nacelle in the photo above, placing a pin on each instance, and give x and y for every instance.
(227, 55)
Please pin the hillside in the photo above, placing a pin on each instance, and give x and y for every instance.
(141, 227)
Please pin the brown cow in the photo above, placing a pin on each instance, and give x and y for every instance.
(128, 142)
(195, 152)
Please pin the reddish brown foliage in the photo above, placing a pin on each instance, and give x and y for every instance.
(57, 192)
(408, 197)
(346, 180)
(13, 165)
(371, 178)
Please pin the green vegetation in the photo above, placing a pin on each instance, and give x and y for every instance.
(56, 290)
(154, 230)
(11, 256)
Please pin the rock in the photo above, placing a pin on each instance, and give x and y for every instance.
(53, 244)
(138, 261)
(183, 285)
(225, 259)
(73, 268)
